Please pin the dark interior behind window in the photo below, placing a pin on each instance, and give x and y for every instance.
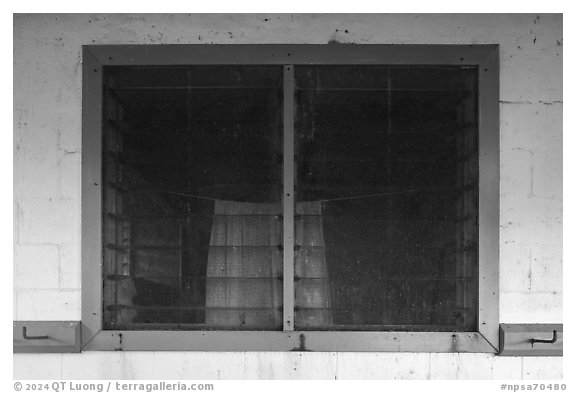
(386, 224)
(388, 157)
(192, 197)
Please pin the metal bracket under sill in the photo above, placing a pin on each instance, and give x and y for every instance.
(531, 339)
(46, 336)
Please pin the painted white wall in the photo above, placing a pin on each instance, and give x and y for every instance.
(47, 159)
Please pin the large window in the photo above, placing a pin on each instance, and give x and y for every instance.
(290, 197)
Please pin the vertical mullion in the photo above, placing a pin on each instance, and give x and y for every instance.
(288, 198)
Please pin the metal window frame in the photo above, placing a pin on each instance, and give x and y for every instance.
(485, 339)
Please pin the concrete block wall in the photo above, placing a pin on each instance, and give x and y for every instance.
(47, 159)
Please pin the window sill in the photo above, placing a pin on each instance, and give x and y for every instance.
(317, 341)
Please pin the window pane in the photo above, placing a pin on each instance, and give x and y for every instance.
(192, 197)
(387, 198)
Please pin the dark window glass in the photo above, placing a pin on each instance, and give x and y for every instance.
(192, 170)
(386, 198)
(386, 225)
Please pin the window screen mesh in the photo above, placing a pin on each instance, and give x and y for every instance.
(387, 198)
(192, 197)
